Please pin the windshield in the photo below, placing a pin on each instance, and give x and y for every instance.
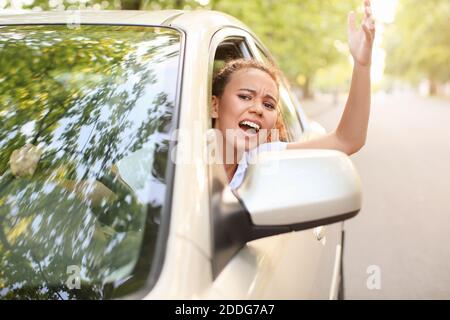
(85, 116)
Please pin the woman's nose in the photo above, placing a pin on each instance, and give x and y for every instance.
(257, 108)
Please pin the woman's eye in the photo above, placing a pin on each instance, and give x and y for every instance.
(269, 106)
(244, 97)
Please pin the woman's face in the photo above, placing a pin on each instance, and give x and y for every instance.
(247, 110)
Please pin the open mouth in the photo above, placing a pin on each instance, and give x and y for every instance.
(249, 126)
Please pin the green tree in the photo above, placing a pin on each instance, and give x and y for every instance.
(79, 93)
(300, 33)
(418, 43)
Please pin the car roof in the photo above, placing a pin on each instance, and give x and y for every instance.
(183, 19)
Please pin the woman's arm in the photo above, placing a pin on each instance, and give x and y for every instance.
(350, 135)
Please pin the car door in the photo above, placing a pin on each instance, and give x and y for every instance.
(296, 265)
(328, 254)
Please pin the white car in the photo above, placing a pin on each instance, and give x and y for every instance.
(106, 190)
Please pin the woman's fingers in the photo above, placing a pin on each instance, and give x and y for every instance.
(368, 14)
(351, 21)
(367, 11)
(369, 34)
(368, 18)
(368, 23)
(371, 24)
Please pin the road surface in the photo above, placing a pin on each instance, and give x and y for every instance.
(402, 234)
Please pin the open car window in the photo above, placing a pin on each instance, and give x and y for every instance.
(229, 49)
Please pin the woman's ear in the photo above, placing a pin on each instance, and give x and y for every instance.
(214, 107)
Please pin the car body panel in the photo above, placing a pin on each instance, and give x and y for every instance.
(288, 266)
(128, 17)
(186, 273)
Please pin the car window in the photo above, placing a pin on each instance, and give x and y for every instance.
(85, 116)
(228, 50)
(290, 115)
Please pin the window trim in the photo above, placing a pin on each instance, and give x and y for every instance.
(160, 251)
(217, 179)
(221, 35)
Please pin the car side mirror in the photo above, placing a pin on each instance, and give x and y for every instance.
(300, 189)
(283, 191)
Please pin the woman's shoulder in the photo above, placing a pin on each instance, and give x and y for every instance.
(271, 146)
(247, 158)
(264, 147)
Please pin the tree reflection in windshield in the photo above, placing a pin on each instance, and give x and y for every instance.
(98, 102)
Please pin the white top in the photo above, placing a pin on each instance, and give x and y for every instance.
(239, 175)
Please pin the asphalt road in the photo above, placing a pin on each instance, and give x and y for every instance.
(399, 243)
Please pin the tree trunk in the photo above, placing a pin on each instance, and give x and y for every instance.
(179, 4)
(306, 88)
(432, 87)
(213, 4)
(130, 4)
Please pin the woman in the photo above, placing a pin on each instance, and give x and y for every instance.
(245, 106)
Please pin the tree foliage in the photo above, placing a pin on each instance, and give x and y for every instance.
(302, 34)
(93, 101)
(418, 43)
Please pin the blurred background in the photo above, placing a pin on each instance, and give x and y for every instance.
(403, 231)
(308, 38)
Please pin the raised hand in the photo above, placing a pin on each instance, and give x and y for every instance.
(360, 40)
